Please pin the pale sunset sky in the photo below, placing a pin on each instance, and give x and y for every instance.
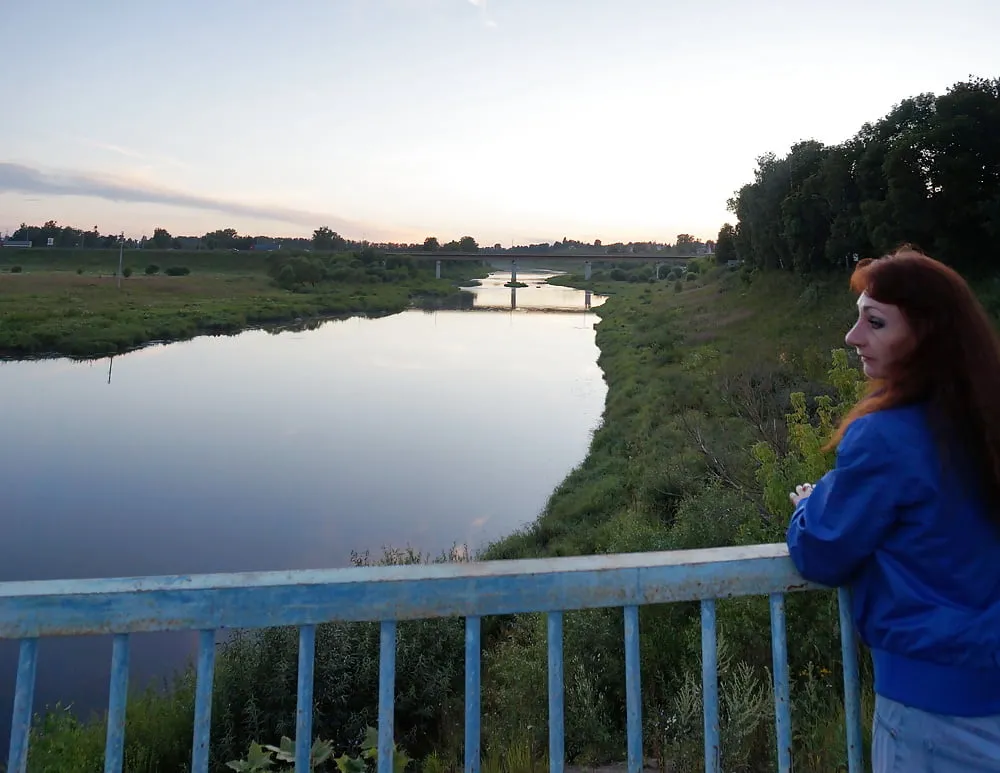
(513, 121)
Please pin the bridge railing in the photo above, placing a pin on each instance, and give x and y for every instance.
(209, 603)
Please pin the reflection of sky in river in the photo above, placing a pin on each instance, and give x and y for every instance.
(536, 296)
(262, 451)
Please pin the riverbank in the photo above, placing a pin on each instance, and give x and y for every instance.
(699, 370)
(702, 438)
(68, 303)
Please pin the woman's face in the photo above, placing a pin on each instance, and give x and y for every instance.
(881, 336)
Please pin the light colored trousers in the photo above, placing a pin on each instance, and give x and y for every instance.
(908, 740)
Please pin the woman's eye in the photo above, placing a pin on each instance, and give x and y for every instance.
(877, 324)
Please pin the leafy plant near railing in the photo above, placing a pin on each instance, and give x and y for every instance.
(806, 460)
(261, 759)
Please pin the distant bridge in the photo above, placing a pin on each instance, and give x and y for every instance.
(588, 259)
(544, 256)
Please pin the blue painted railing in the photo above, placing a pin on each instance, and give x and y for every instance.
(208, 603)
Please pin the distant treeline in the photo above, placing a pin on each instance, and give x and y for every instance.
(927, 173)
(325, 240)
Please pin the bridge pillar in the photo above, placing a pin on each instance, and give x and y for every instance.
(586, 270)
(437, 269)
(513, 270)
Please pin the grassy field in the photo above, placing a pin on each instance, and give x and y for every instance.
(67, 302)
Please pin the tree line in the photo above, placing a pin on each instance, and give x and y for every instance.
(324, 239)
(927, 173)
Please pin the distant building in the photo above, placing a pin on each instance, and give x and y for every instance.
(14, 243)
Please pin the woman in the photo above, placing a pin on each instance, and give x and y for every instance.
(909, 517)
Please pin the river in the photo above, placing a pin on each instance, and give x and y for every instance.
(289, 450)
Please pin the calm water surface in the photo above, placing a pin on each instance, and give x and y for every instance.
(270, 451)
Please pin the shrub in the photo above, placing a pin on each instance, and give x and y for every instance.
(177, 271)
(15, 269)
(258, 668)
(259, 758)
(151, 269)
(127, 272)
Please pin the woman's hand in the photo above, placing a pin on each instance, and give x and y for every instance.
(801, 492)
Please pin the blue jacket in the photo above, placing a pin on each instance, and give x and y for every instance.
(922, 559)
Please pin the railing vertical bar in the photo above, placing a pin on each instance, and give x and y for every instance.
(779, 659)
(852, 687)
(557, 734)
(633, 690)
(473, 656)
(386, 694)
(203, 702)
(114, 745)
(24, 696)
(710, 685)
(304, 702)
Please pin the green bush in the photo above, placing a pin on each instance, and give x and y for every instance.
(259, 758)
(152, 269)
(127, 272)
(157, 734)
(258, 669)
(177, 271)
(15, 269)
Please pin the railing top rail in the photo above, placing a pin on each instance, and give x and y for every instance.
(460, 589)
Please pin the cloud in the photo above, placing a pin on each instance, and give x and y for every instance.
(18, 178)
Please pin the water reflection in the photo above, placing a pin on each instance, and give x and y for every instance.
(537, 296)
(285, 450)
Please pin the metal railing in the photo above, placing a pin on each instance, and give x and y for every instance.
(208, 603)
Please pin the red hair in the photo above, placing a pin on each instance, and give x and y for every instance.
(953, 365)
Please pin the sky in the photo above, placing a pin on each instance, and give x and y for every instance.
(513, 121)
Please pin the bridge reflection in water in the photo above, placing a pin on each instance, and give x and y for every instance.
(387, 594)
(495, 293)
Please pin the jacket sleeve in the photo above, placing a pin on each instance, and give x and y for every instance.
(851, 508)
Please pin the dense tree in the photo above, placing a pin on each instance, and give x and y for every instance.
(725, 248)
(467, 244)
(161, 238)
(431, 244)
(227, 239)
(326, 240)
(927, 173)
